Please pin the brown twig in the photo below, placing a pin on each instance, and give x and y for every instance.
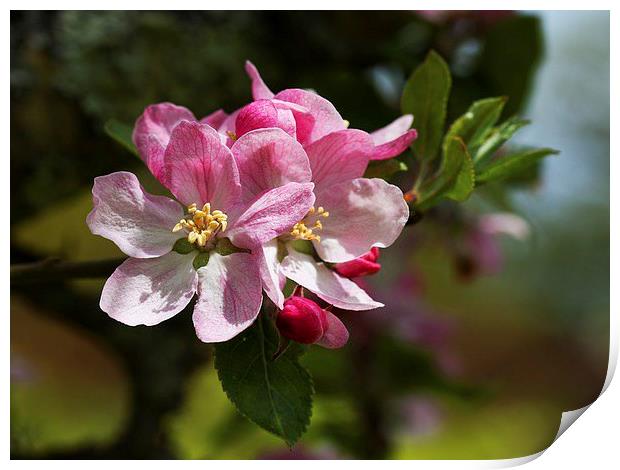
(50, 270)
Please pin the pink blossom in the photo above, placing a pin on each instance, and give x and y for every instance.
(315, 117)
(297, 136)
(304, 321)
(220, 231)
(351, 215)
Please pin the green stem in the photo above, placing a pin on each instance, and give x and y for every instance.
(421, 175)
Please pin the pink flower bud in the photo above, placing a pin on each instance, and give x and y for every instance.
(365, 265)
(302, 320)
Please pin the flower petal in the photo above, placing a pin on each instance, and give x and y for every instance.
(268, 158)
(256, 115)
(393, 139)
(260, 91)
(215, 119)
(393, 130)
(152, 132)
(321, 119)
(362, 213)
(149, 291)
(273, 279)
(364, 265)
(229, 297)
(198, 168)
(272, 214)
(394, 147)
(227, 128)
(339, 156)
(336, 335)
(263, 114)
(139, 223)
(329, 286)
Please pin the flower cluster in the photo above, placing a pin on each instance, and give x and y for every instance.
(274, 190)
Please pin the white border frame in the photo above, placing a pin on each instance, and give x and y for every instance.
(592, 442)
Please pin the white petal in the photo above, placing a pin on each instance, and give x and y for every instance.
(149, 291)
(329, 286)
(229, 297)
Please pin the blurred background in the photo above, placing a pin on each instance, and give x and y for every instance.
(486, 339)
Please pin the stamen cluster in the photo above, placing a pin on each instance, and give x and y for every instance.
(202, 225)
(301, 231)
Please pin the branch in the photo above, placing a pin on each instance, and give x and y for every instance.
(57, 270)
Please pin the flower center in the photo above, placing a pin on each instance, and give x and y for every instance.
(302, 230)
(202, 225)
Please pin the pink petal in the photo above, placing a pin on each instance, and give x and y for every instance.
(336, 335)
(364, 265)
(273, 279)
(505, 223)
(152, 132)
(260, 91)
(362, 213)
(321, 119)
(229, 297)
(394, 147)
(339, 156)
(393, 139)
(268, 158)
(256, 115)
(264, 114)
(274, 213)
(149, 291)
(198, 168)
(228, 128)
(393, 130)
(286, 121)
(139, 223)
(215, 119)
(329, 286)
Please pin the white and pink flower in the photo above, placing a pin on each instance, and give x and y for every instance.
(218, 231)
(282, 171)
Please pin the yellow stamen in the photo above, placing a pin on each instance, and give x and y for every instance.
(302, 231)
(202, 225)
(232, 135)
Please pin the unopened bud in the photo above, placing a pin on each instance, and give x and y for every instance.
(302, 320)
(365, 265)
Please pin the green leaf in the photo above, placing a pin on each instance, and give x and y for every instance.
(472, 126)
(426, 97)
(498, 137)
(435, 188)
(276, 395)
(465, 181)
(121, 132)
(384, 168)
(511, 165)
